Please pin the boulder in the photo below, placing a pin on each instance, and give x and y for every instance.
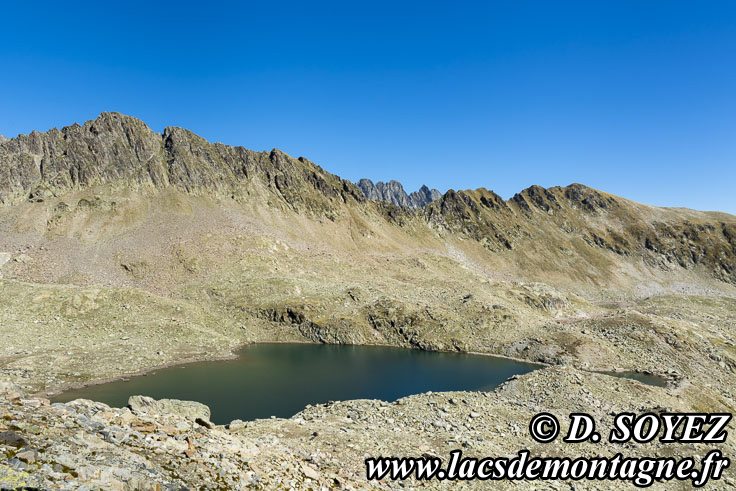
(12, 439)
(10, 390)
(28, 456)
(205, 422)
(187, 409)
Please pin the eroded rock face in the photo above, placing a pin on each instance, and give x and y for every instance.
(424, 196)
(119, 149)
(190, 410)
(393, 192)
(111, 147)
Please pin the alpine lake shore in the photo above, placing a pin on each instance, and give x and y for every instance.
(87, 445)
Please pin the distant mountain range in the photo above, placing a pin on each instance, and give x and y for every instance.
(393, 192)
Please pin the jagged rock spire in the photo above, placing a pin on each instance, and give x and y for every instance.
(393, 192)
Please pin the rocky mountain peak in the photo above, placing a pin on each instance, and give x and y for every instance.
(424, 196)
(115, 148)
(393, 192)
(3, 139)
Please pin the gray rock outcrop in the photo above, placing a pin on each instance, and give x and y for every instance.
(424, 196)
(187, 409)
(9, 387)
(393, 192)
(120, 149)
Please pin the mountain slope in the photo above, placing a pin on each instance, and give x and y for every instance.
(540, 233)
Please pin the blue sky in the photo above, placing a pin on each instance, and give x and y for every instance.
(635, 98)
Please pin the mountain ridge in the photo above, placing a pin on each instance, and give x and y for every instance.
(173, 137)
(123, 152)
(115, 148)
(393, 192)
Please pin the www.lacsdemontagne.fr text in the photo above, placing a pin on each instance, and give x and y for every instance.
(640, 471)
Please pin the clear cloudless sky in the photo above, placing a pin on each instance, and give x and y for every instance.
(636, 98)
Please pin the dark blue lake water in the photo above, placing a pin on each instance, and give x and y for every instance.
(280, 379)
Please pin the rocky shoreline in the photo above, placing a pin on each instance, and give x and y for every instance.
(325, 445)
(60, 389)
(172, 444)
(685, 339)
